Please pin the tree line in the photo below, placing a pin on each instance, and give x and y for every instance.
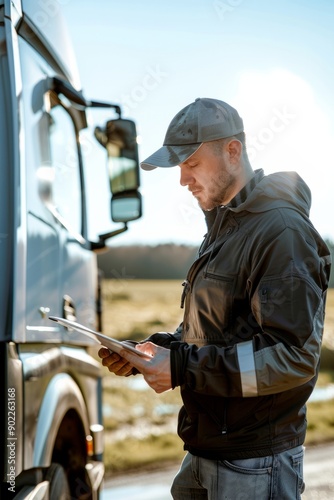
(331, 248)
(164, 261)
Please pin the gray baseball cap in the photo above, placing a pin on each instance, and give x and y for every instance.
(201, 121)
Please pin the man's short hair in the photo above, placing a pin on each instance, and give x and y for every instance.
(219, 143)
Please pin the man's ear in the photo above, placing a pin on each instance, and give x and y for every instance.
(234, 148)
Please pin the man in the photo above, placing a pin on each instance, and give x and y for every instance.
(246, 356)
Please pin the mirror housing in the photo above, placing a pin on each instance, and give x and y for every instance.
(120, 140)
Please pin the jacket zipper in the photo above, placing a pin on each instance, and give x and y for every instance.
(218, 278)
(200, 260)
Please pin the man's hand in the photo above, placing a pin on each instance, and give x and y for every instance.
(156, 371)
(115, 363)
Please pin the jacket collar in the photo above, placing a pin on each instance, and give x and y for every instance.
(246, 190)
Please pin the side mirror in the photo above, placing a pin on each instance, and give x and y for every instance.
(120, 140)
(126, 206)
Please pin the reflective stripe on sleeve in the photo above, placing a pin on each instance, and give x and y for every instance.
(245, 355)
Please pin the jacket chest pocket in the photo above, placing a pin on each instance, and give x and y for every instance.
(218, 312)
(208, 312)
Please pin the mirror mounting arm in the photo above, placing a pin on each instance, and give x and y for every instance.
(98, 245)
(61, 86)
(97, 104)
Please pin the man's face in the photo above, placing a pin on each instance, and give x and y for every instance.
(209, 175)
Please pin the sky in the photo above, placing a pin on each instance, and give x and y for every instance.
(272, 61)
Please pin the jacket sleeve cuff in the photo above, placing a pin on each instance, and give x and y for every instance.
(178, 362)
(162, 339)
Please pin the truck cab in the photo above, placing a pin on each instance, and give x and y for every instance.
(51, 407)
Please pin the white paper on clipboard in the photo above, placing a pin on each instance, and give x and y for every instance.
(112, 344)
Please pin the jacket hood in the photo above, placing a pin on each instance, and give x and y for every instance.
(278, 190)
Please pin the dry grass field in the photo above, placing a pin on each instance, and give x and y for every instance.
(329, 320)
(141, 425)
(137, 308)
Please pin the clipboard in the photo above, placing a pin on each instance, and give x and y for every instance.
(112, 344)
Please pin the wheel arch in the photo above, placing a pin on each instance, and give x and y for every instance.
(62, 396)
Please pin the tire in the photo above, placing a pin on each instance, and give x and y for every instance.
(59, 488)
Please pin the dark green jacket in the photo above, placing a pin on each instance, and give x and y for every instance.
(247, 354)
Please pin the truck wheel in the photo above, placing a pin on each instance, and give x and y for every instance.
(59, 488)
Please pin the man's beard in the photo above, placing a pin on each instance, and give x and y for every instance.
(220, 197)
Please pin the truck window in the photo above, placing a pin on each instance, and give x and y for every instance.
(66, 191)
